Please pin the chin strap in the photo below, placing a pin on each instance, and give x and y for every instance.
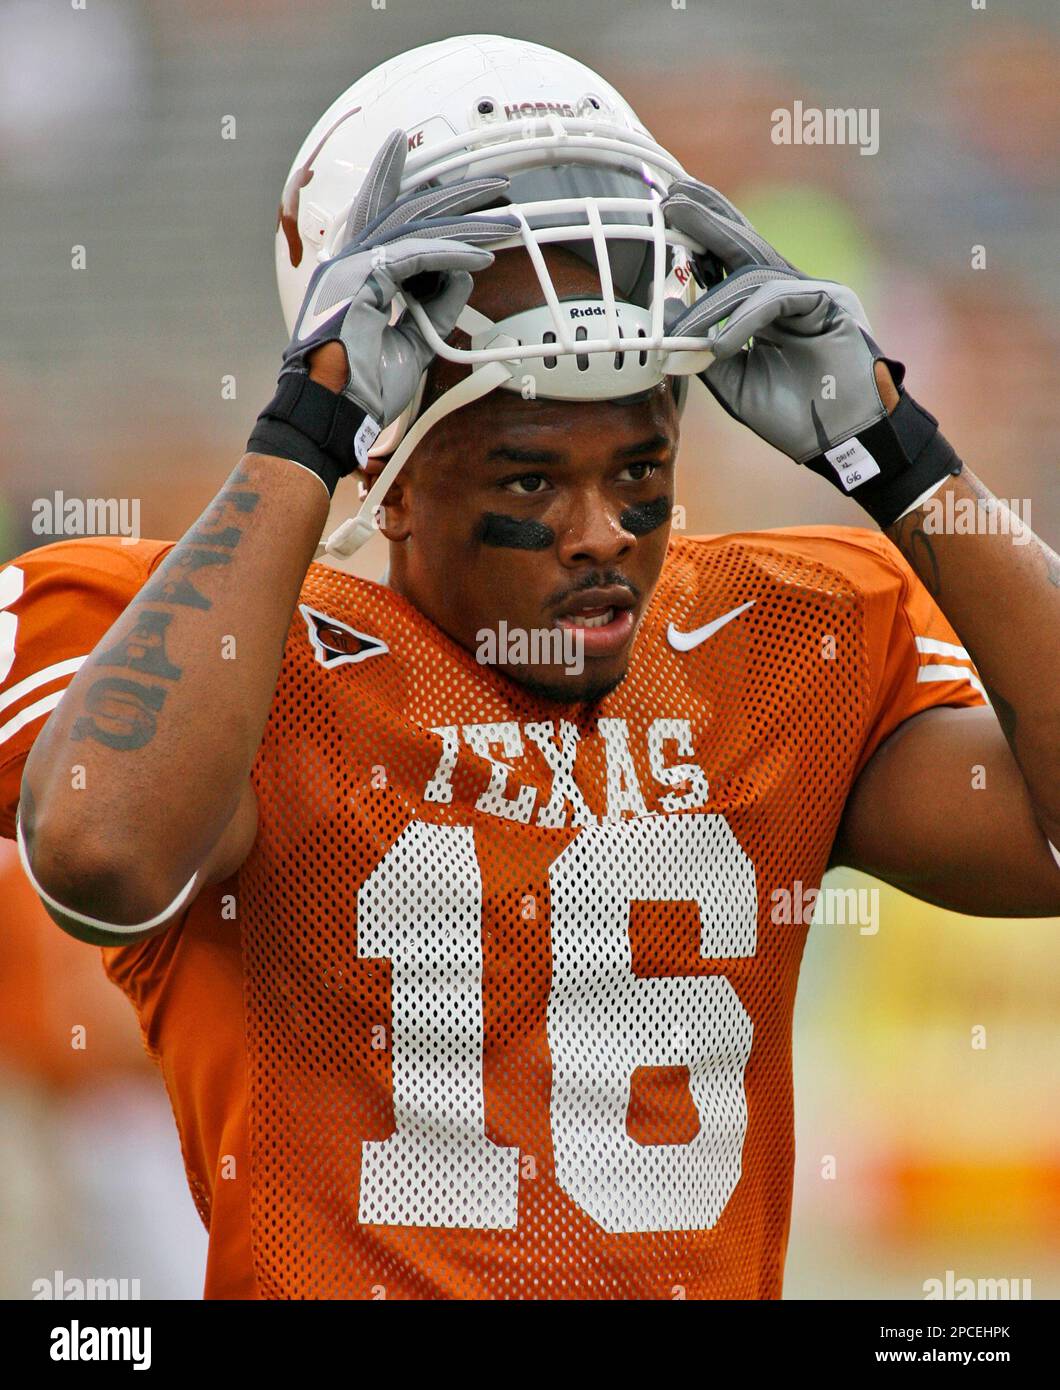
(348, 538)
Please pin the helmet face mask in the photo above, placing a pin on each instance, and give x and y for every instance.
(584, 174)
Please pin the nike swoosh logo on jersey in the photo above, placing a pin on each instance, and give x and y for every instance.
(685, 641)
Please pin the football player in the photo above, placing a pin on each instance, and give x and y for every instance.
(457, 954)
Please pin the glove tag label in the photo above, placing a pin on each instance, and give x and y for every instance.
(364, 439)
(853, 464)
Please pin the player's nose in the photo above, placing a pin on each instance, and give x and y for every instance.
(592, 532)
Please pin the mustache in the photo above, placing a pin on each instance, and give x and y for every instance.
(598, 579)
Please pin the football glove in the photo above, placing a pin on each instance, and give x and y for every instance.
(387, 242)
(795, 362)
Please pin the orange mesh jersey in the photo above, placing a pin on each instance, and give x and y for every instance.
(497, 1007)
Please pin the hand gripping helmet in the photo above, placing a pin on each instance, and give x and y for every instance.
(584, 173)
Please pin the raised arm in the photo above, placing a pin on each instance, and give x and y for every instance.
(167, 712)
(960, 806)
(796, 362)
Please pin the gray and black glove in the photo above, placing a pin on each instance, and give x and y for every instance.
(387, 243)
(795, 362)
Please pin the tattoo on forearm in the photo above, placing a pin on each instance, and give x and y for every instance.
(173, 585)
(123, 714)
(213, 528)
(144, 649)
(915, 544)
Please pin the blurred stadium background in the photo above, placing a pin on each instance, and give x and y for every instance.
(945, 1157)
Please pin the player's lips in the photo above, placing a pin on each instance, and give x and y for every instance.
(603, 618)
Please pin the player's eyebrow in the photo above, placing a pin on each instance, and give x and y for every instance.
(648, 446)
(507, 453)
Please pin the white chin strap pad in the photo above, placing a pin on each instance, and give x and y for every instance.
(348, 538)
(605, 370)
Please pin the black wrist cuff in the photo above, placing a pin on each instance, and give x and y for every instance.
(311, 425)
(903, 454)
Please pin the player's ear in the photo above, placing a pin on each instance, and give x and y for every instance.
(395, 519)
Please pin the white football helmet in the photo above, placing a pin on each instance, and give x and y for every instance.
(584, 173)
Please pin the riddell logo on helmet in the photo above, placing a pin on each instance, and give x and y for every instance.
(538, 108)
(587, 313)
